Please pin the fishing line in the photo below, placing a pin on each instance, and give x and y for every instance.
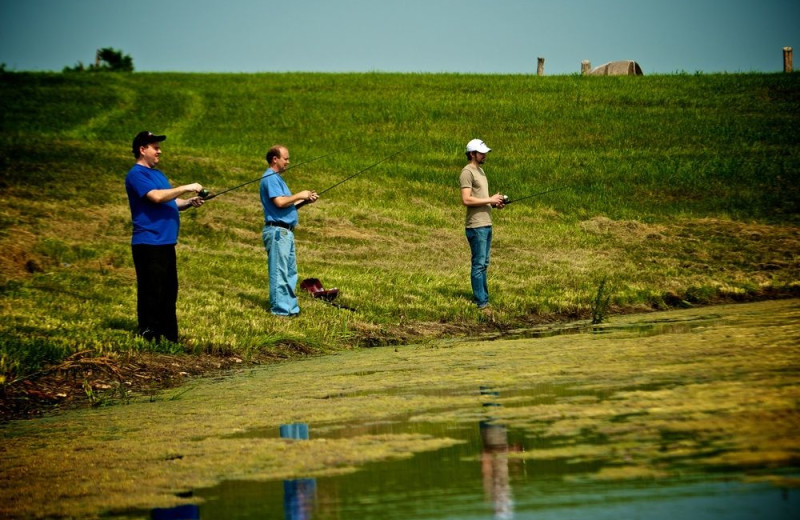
(205, 195)
(507, 201)
(358, 173)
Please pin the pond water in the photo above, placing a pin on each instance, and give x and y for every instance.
(495, 470)
(683, 414)
(480, 479)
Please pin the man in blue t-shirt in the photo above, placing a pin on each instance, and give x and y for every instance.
(154, 207)
(280, 219)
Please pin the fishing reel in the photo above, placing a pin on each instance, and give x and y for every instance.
(203, 194)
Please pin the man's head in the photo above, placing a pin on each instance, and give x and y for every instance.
(477, 150)
(146, 144)
(278, 158)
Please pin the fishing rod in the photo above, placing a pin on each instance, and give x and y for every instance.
(303, 203)
(507, 201)
(206, 195)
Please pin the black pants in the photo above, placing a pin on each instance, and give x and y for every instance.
(157, 291)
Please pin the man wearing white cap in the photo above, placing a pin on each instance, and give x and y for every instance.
(475, 196)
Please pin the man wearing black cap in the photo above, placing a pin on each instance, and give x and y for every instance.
(154, 211)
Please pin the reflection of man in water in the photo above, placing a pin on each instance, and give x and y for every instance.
(494, 468)
(298, 498)
(299, 495)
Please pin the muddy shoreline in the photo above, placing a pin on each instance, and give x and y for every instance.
(83, 380)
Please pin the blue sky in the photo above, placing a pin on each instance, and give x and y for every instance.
(464, 36)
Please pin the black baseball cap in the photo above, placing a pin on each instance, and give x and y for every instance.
(145, 138)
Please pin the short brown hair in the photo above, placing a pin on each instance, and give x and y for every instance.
(274, 152)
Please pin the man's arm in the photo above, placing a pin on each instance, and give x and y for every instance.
(168, 194)
(295, 199)
(470, 201)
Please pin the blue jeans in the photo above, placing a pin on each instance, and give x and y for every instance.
(282, 265)
(480, 243)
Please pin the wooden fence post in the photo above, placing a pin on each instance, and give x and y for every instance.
(586, 66)
(540, 67)
(787, 59)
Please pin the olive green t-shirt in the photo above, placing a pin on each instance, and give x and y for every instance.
(473, 177)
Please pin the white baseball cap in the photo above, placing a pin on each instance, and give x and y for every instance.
(476, 145)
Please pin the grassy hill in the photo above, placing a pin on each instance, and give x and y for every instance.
(678, 190)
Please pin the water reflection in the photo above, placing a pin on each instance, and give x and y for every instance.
(494, 460)
(184, 512)
(298, 431)
(480, 479)
(299, 495)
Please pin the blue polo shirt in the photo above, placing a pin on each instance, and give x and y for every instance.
(153, 224)
(272, 185)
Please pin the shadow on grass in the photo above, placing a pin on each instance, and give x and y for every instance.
(126, 324)
(260, 303)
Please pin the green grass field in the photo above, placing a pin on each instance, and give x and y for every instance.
(678, 190)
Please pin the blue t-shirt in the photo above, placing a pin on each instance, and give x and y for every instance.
(153, 224)
(272, 185)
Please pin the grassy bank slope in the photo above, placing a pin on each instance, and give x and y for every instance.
(682, 189)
